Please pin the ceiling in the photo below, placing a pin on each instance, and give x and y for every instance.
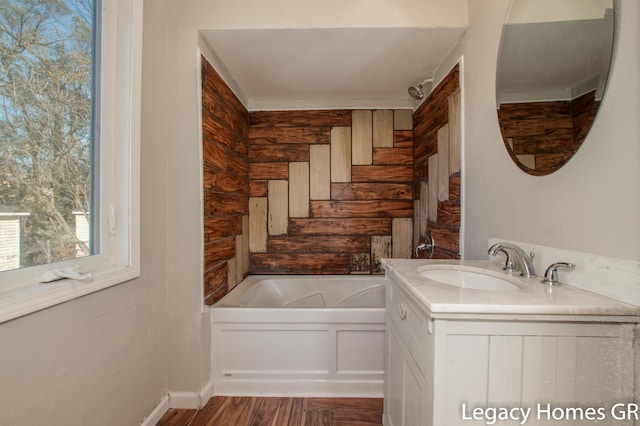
(327, 68)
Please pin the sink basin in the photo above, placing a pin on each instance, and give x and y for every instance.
(470, 277)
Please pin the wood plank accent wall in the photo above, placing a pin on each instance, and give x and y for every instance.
(225, 147)
(542, 136)
(330, 191)
(436, 158)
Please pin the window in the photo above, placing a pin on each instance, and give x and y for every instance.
(69, 144)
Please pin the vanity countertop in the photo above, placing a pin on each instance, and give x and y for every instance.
(535, 301)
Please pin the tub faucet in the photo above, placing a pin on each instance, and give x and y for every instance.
(516, 258)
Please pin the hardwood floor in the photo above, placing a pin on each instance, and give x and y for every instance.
(256, 411)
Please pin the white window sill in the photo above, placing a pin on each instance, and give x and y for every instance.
(22, 301)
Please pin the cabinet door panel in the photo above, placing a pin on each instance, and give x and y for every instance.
(394, 388)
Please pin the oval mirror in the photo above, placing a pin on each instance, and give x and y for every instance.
(552, 69)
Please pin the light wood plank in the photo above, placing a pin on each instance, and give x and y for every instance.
(341, 154)
(433, 188)
(416, 223)
(232, 276)
(278, 197)
(424, 208)
(239, 260)
(401, 234)
(258, 224)
(380, 249)
(455, 133)
(383, 128)
(443, 163)
(245, 244)
(362, 137)
(403, 119)
(320, 172)
(298, 189)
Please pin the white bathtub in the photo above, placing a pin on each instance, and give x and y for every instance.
(284, 335)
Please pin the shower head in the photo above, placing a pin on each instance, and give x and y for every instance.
(416, 91)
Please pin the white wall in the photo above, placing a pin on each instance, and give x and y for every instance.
(103, 359)
(592, 204)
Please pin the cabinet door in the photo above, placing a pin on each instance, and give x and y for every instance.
(405, 388)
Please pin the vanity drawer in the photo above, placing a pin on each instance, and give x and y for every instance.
(411, 323)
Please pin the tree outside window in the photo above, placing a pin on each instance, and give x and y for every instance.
(47, 82)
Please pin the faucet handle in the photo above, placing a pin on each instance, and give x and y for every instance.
(551, 274)
(429, 246)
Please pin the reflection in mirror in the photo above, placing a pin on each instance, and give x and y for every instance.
(552, 69)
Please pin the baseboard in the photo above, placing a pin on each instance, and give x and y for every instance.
(300, 388)
(154, 417)
(206, 393)
(192, 400)
(188, 400)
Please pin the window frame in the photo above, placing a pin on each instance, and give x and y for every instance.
(118, 260)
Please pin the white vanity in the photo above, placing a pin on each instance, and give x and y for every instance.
(508, 350)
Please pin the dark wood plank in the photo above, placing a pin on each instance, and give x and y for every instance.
(219, 250)
(403, 173)
(370, 191)
(212, 413)
(344, 403)
(279, 135)
(223, 181)
(316, 118)
(218, 157)
(341, 226)
(177, 417)
(357, 209)
(214, 84)
(390, 156)
(300, 263)
(215, 282)
(220, 204)
(279, 152)
(263, 411)
(221, 227)
(219, 110)
(297, 413)
(213, 131)
(403, 138)
(258, 188)
(269, 171)
(312, 244)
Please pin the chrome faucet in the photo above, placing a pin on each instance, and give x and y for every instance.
(516, 258)
(429, 246)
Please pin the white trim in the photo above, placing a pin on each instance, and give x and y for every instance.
(200, 53)
(463, 150)
(206, 393)
(191, 400)
(182, 400)
(185, 400)
(154, 417)
(300, 388)
(329, 104)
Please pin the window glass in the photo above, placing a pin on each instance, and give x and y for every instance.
(47, 105)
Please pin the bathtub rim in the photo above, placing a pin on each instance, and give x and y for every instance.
(250, 280)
